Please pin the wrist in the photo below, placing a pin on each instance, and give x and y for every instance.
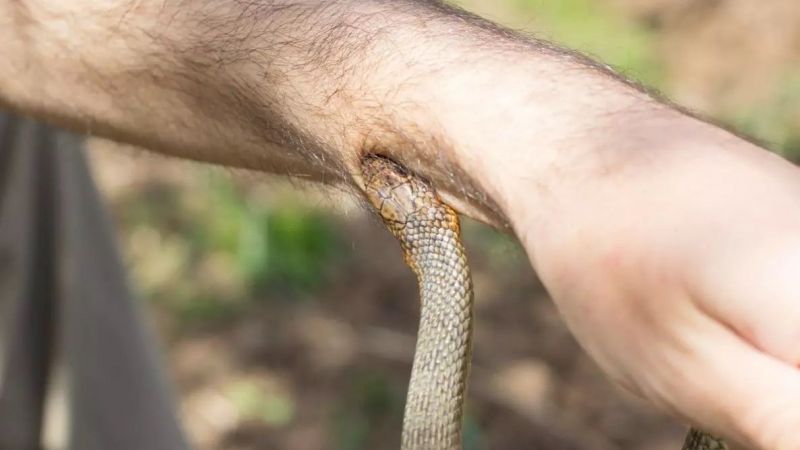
(520, 122)
(541, 132)
(629, 180)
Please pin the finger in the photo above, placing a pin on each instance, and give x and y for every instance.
(759, 297)
(741, 393)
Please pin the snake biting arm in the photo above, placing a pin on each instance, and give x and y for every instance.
(305, 87)
(671, 247)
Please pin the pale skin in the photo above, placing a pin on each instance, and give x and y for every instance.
(671, 247)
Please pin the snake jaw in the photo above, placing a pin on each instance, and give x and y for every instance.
(397, 196)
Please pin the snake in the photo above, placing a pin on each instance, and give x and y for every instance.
(429, 234)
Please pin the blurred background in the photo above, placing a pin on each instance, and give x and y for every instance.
(287, 317)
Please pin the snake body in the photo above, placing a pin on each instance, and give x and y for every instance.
(429, 234)
(699, 440)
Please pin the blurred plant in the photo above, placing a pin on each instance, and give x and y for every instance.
(600, 31)
(473, 435)
(371, 401)
(207, 255)
(254, 403)
(501, 250)
(287, 247)
(777, 119)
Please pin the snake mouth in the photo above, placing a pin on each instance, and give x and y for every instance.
(391, 188)
(381, 170)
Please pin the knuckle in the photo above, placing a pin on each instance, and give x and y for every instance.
(774, 427)
(781, 340)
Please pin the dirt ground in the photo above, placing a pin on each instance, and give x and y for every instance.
(328, 369)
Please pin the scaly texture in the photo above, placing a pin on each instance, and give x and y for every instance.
(428, 232)
(699, 440)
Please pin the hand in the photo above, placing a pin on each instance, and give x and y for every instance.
(680, 274)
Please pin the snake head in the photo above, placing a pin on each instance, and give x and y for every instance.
(408, 206)
(395, 194)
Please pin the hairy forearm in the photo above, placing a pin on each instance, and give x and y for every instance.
(268, 85)
(307, 87)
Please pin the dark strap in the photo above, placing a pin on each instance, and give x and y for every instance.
(65, 306)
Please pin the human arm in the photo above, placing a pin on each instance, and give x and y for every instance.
(299, 87)
(668, 244)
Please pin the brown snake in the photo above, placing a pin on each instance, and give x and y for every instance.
(429, 233)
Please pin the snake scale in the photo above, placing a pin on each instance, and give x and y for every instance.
(429, 234)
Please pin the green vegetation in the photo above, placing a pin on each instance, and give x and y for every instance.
(371, 401)
(208, 256)
(473, 436)
(501, 250)
(288, 247)
(252, 402)
(775, 120)
(599, 31)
